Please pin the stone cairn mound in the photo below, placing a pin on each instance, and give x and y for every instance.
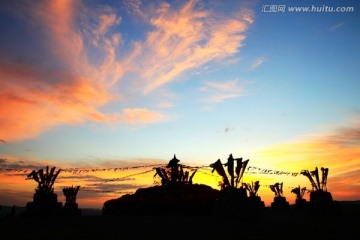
(177, 195)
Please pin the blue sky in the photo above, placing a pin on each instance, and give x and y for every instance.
(92, 82)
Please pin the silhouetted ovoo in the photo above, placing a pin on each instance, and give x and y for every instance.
(177, 195)
(321, 201)
(45, 201)
(71, 207)
(233, 199)
(300, 202)
(279, 202)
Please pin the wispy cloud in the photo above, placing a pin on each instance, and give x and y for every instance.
(26, 163)
(336, 26)
(105, 22)
(165, 105)
(221, 91)
(347, 136)
(257, 63)
(185, 39)
(139, 115)
(134, 7)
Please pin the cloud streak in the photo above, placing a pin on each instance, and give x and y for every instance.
(221, 91)
(336, 26)
(258, 62)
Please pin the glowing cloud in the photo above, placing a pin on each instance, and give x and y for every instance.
(35, 97)
(186, 39)
(338, 150)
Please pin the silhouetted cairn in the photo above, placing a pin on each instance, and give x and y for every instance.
(176, 195)
(45, 201)
(279, 202)
(301, 205)
(71, 207)
(254, 199)
(321, 201)
(233, 200)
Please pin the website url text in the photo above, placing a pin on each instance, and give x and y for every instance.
(308, 9)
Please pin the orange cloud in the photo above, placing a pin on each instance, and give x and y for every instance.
(106, 21)
(188, 38)
(31, 105)
(57, 19)
(36, 98)
(338, 150)
(72, 86)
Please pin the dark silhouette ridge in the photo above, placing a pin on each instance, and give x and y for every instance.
(279, 202)
(71, 207)
(45, 201)
(12, 213)
(176, 195)
(321, 201)
(233, 200)
(272, 225)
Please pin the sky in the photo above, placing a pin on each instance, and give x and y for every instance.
(120, 86)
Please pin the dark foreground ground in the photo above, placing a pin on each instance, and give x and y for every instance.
(272, 225)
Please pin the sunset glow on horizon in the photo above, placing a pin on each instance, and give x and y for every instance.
(106, 90)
